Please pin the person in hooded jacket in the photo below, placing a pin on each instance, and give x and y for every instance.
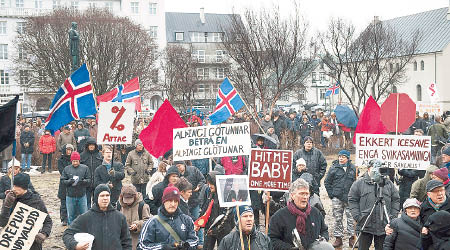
(63, 162)
(108, 226)
(418, 188)
(92, 158)
(438, 231)
(110, 175)
(135, 210)
(20, 193)
(81, 135)
(301, 169)
(252, 238)
(139, 166)
(172, 176)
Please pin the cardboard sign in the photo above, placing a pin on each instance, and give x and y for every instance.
(430, 108)
(397, 151)
(23, 226)
(232, 190)
(270, 170)
(211, 141)
(115, 123)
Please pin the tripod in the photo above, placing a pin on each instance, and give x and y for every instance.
(383, 210)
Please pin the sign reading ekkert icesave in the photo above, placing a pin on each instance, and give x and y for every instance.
(270, 170)
(211, 141)
(23, 226)
(115, 123)
(397, 151)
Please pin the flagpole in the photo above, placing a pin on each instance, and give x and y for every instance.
(92, 85)
(14, 147)
(251, 113)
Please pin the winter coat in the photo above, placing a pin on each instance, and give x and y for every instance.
(279, 125)
(406, 234)
(266, 125)
(109, 228)
(225, 225)
(418, 188)
(283, 222)
(426, 210)
(233, 168)
(196, 178)
(184, 207)
(339, 181)
(158, 190)
(33, 200)
(156, 178)
(315, 162)
(132, 215)
(256, 239)
(81, 135)
(92, 159)
(438, 237)
(101, 176)
(154, 235)
(202, 165)
(305, 129)
(139, 166)
(27, 137)
(292, 125)
(361, 198)
(437, 131)
(5, 184)
(63, 162)
(79, 189)
(313, 186)
(64, 139)
(47, 144)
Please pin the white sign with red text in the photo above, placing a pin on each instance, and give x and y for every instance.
(115, 123)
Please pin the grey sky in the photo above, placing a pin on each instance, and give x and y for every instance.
(318, 12)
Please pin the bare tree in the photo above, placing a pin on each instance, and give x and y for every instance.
(115, 49)
(272, 53)
(180, 74)
(370, 63)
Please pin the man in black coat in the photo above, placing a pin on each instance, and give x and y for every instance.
(26, 147)
(105, 223)
(5, 181)
(172, 176)
(110, 175)
(20, 193)
(92, 158)
(63, 162)
(299, 219)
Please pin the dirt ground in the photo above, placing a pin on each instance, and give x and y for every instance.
(47, 185)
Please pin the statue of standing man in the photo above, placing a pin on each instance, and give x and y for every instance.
(74, 41)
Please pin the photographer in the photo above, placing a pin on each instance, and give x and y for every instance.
(363, 195)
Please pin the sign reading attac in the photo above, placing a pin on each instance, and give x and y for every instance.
(270, 170)
(115, 123)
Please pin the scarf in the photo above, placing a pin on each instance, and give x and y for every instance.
(301, 216)
(434, 205)
(107, 165)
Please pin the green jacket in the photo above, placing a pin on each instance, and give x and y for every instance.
(418, 188)
(139, 166)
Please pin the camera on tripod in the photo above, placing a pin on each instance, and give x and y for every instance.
(379, 171)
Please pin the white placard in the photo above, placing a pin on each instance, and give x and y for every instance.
(397, 151)
(211, 141)
(232, 190)
(115, 123)
(430, 108)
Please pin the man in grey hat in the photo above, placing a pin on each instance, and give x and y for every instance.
(436, 200)
(139, 166)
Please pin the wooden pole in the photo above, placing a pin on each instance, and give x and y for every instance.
(267, 212)
(240, 227)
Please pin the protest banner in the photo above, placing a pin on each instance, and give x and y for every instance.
(397, 151)
(270, 170)
(430, 108)
(211, 141)
(232, 190)
(115, 123)
(23, 226)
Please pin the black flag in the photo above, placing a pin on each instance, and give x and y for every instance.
(8, 123)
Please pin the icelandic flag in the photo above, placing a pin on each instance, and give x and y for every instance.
(333, 90)
(228, 102)
(127, 92)
(74, 100)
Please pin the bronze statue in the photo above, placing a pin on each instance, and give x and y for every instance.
(74, 41)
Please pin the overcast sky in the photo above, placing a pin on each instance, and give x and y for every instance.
(317, 12)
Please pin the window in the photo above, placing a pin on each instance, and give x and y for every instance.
(419, 92)
(3, 51)
(322, 94)
(200, 88)
(415, 66)
(56, 4)
(179, 36)
(219, 55)
(19, 3)
(314, 76)
(21, 52)
(92, 5)
(109, 6)
(41, 76)
(322, 76)
(207, 89)
(135, 7)
(391, 67)
(38, 4)
(394, 89)
(202, 73)
(2, 3)
(198, 37)
(75, 5)
(397, 67)
(2, 28)
(200, 56)
(4, 77)
(301, 95)
(215, 88)
(220, 73)
(422, 65)
(217, 37)
(152, 8)
(153, 32)
(23, 77)
(21, 27)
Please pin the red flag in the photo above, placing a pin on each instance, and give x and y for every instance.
(157, 137)
(127, 92)
(370, 120)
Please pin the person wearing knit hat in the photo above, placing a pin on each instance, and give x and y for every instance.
(442, 176)
(172, 176)
(76, 177)
(139, 165)
(20, 193)
(108, 226)
(345, 153)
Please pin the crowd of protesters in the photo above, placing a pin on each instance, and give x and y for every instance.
(174, 204)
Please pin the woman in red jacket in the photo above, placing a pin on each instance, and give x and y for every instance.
(47, 146)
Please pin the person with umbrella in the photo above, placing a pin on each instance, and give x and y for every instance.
(264, 141)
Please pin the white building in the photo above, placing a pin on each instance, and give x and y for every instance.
(148, 13)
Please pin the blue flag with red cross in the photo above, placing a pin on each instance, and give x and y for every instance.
(228, 102)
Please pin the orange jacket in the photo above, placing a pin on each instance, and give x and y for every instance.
(47, 144)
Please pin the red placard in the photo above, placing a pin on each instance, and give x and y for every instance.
(406, 108)
(270, 170)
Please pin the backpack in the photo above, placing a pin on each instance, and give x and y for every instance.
(141, 206)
